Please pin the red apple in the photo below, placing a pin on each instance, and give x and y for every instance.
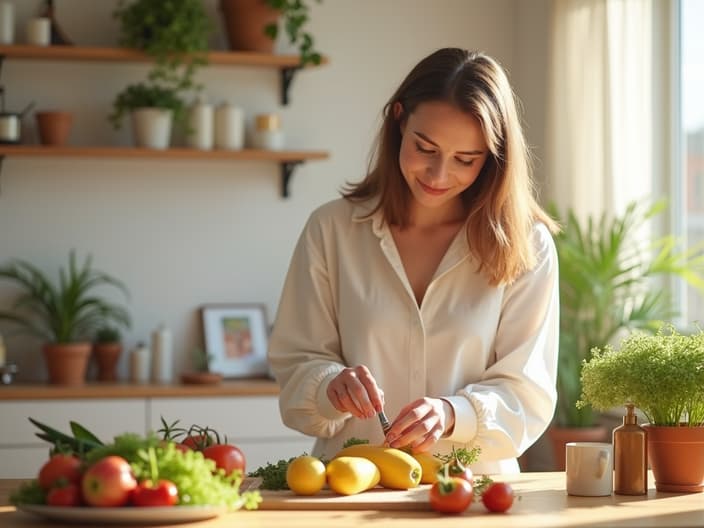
(108, 483)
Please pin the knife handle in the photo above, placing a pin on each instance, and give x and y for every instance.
(385, 424)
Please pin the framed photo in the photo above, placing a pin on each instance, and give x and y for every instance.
(236, 339)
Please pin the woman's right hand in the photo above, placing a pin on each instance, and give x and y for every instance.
(354, 390)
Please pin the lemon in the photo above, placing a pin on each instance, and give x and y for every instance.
(351, 475)
(305, 475)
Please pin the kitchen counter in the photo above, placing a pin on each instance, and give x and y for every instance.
(543, 503)
(89, 391)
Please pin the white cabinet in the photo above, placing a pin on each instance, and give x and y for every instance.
(22, 453)
(250, 422)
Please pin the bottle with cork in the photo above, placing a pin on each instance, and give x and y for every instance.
(630, 456)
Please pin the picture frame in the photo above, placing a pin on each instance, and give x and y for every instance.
(236, 339)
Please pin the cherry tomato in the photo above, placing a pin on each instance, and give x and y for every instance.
(198, 442)
(498, 497)
(67, 495)
(451, 495)
(161, 493)
(455, 469)
(226, 457)
(60, 468)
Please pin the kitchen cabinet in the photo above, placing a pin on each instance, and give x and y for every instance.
(288, 66)
(244, 411)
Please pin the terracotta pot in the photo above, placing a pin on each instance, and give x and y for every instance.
(201, 378)
(106, 358)
(54, 127)
(676, 456)
(245, 21)
(559, 436)
(67, 362)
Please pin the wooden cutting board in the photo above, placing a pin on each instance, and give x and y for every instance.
(415, 499)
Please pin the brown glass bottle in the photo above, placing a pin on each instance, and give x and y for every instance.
(630, 456)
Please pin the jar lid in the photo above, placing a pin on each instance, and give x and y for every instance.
(267, 122)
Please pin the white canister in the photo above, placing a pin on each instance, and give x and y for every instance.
(7, 23)
(200, 124)
(267, 133)
(140, 367)
(229, 127)
(162, 355)
(39, 31)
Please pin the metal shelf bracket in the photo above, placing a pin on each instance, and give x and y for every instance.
(287, 168)
(287, 75)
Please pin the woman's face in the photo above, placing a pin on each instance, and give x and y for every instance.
(442, 152)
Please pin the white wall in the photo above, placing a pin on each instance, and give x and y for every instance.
(181, 234)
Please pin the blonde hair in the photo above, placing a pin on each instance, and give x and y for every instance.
(501, 204)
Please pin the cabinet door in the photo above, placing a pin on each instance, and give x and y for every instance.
(22, 453)
(252, 423)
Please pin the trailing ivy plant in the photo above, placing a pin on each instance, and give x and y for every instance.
(174, 33)
(295, 16)
(661, 374)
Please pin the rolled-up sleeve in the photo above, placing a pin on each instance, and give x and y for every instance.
(512, 404)
(304, 348)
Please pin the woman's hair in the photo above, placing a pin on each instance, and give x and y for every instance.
(501, 205)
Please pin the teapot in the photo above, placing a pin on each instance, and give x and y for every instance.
(10, 122)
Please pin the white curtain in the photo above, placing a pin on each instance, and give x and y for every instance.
(600, 110)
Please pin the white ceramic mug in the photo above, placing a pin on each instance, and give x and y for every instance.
(39, 31)
(589, 468)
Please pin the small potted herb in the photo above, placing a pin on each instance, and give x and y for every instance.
(107, 348)
(201, 375)
(662, 375)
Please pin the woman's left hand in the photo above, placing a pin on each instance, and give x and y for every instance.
(420, 424)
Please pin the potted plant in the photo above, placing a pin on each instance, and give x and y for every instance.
(201, 375)
(175, 34)
(153, 110)
(63, 314)
(107, 347)
(662, 375)
(607, 274)
(253, 25)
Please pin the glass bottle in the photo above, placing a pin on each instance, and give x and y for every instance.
(630, 456)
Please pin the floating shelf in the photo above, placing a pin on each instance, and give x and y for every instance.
(287, 65)
(288, 159)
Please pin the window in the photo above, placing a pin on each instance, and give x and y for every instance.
(691, 99)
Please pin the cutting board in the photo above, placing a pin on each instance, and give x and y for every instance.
(415, 499)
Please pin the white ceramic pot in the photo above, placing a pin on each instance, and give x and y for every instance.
(152, 127)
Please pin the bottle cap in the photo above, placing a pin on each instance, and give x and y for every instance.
(630, 417)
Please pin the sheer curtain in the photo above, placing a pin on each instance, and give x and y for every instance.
(600, 111)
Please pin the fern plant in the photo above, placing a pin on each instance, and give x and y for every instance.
(607, 286)
(66, 311)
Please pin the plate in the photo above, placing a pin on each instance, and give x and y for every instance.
(127, 515)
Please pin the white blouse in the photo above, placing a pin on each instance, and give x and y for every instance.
(491, 351)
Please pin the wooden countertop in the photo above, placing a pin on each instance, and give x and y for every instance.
(43, 391)
(543, 504)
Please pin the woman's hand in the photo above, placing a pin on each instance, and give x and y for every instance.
(420, 424)
(355, 390)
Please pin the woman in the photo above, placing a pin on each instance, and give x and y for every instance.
(430, 288)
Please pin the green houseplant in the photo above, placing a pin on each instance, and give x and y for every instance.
(174, 33)
(107, 348)
(295, 15)
(662, 375)
(63, 314)
(607, 275)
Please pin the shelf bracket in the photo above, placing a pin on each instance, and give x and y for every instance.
(286, 80)
(287, 168)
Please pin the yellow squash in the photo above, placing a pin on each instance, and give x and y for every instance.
(398, 469)
(430, 466)
(350, 475)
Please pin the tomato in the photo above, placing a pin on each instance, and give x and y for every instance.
(161, 493)
(198, 442)
(498, 497)
(226, 457)
(60, 468)
(451, 495)
(67, 495)
(455, 469)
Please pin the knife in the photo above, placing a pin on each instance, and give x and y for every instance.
(384, 421)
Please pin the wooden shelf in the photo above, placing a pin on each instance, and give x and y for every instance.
(287, 159)
(39, 391)
(100, 54)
